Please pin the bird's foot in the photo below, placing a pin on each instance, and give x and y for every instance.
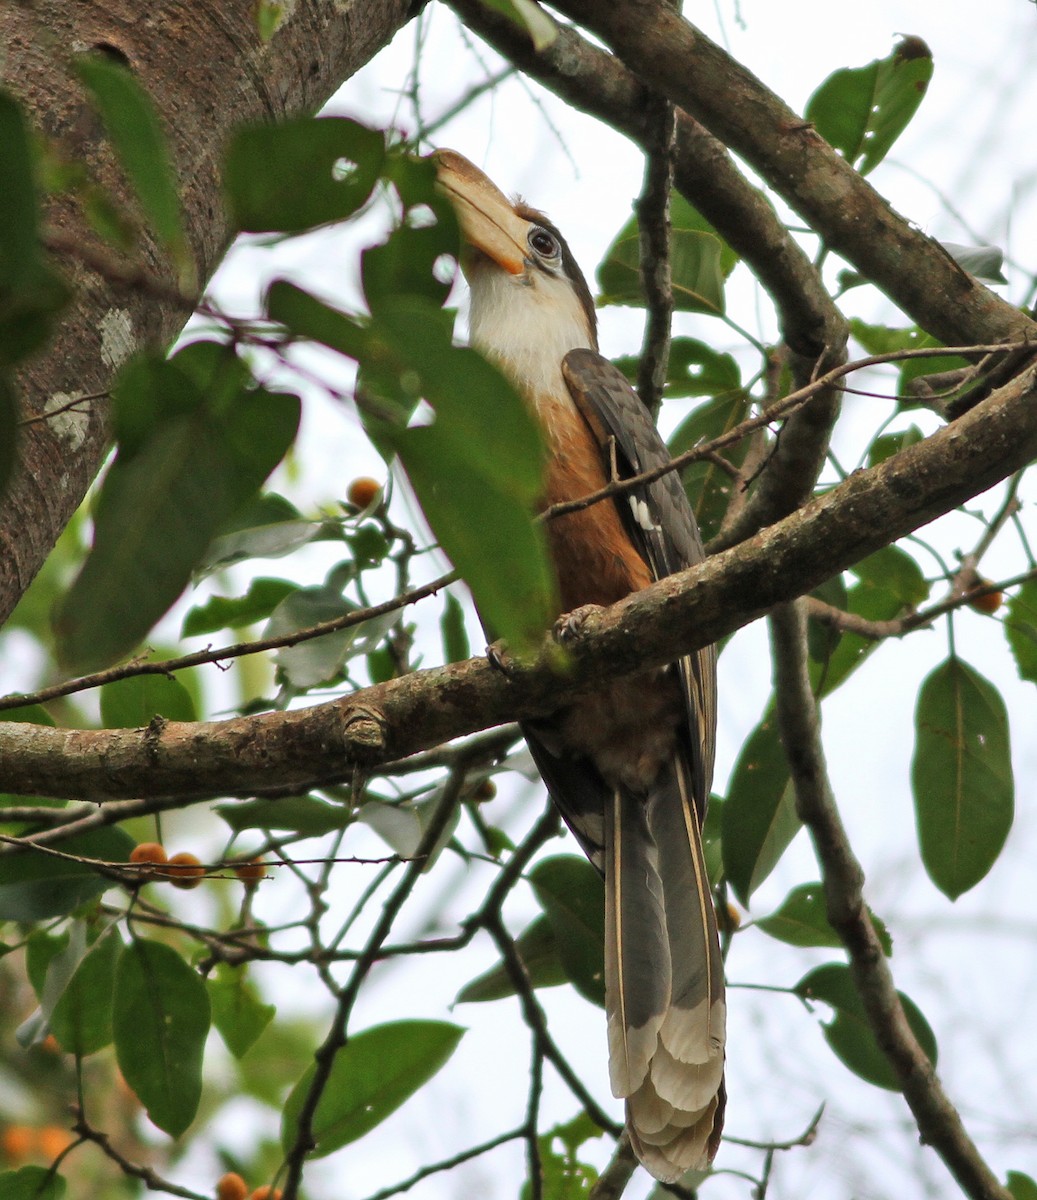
(500, 657)
(569, 627)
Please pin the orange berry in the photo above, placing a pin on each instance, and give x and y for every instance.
(50, 1045)
(989, 602)
(147, 853)
(231, 1187)
(485, 790)
(266, 1192)
(734, 917)
(250, 870)
(51, 1140)
(362, 492)
(184, 869)
(17, 1142)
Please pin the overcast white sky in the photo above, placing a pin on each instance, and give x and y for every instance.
(970, 966)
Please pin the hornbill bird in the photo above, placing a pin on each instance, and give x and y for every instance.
(629, 767)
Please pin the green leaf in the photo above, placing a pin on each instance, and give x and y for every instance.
(237, 1010)
(41, 950)
(160, 1020)
(1021, 630)
(759, 814)
(31, 1183)
(570, 892)
(700, 261)
(564, 1176)
(372, 1075)
(81, 1020)
(848, 1033)
(137, 136)
(182, 470)
(802, 921)
(708, 487)
(298, 814)
(890, 584)
(301, 173)
(31, 294)
(888, 444)
(884, 339)
(1020, 1186)
(403, 264)
(227, 612)
(37, 886)
(984, 262)
(529, 17)
(961, 776)
(133, 703)
(537, 946)
(861, 111)
(452, 628)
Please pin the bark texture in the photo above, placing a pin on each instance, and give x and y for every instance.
(207, 69)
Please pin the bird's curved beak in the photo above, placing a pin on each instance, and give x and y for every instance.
(487, 217)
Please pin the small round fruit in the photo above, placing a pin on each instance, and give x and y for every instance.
(250, 870)
(184, 869)
(231, 1187)
(989, 602)
(17, 1142)
(146, 854)
(52, 1140)
(485, 790)
(363, 492)
(266, 1192)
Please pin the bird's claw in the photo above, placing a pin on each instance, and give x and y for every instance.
(500, 657)
(569, 627)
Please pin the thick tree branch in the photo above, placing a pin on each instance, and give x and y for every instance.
(675, 615)
(660, 47)
(938, 1121)
(208, 70)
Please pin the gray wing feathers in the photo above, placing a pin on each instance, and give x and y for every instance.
(663, 969)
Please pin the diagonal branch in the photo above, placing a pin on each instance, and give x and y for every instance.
(674, 616)
(939, 1123)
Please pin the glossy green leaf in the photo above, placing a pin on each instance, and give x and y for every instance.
(861, 111)
(961, 776)
(888, 444)
(1021, 630)
(802, 921)
(529, 17)
(136, 133)
(453, 631)
(563, 1175)
(181, 472)
(848, 1033)
(700, 261)
(236, 612)
(31, 1183)
(301, 173)
(537, 946)
(298, 814)
(759, 814)
(41, 949)
(372, 1075)
(709, 487)
(237, 1010)
(132, 703)
(31, 294)
(570, 891)
(403, 264)
(36, 886)
(81, 1020)
(160, 1020)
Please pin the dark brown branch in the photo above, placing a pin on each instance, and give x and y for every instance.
(939, 1123)
(676, 615)
(834, 200)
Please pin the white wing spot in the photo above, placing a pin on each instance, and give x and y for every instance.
(642, 514)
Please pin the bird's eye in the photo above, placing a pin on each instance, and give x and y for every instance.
(543, 242)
